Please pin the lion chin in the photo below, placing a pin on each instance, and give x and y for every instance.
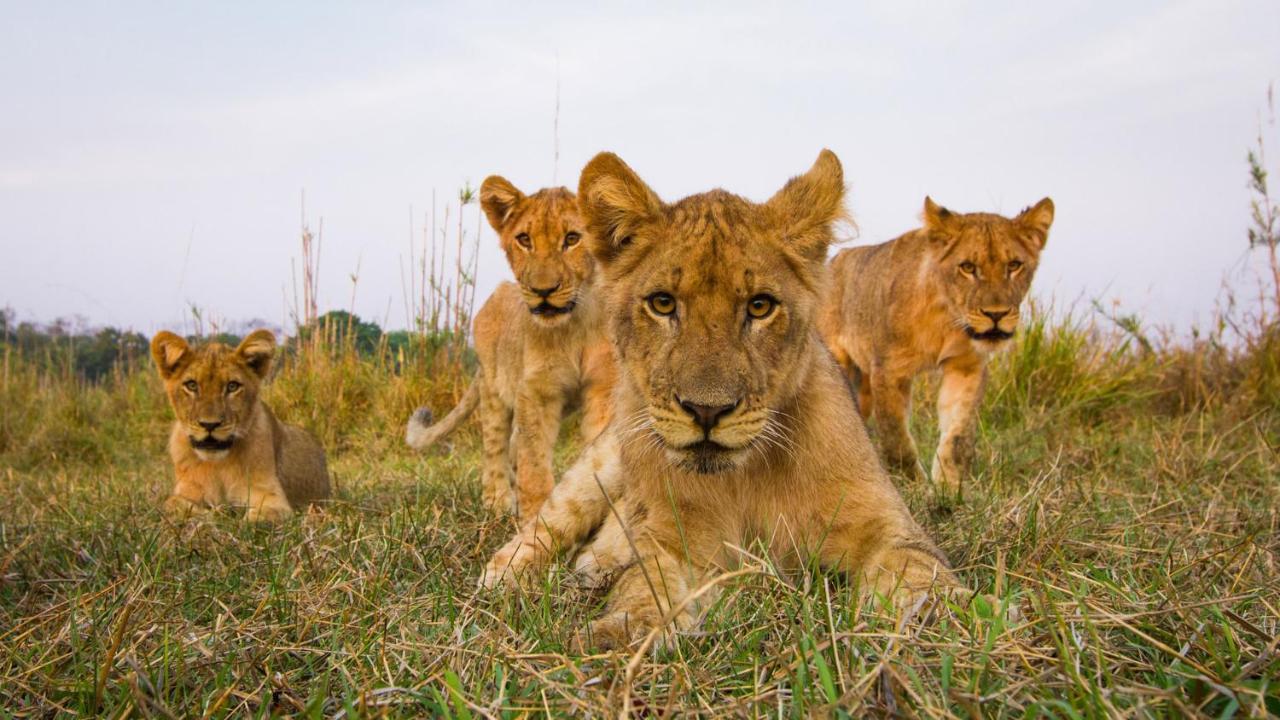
(706, 457)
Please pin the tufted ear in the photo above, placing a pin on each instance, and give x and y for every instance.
(1036, 220)
(614, 201)
(257, 350)
(498, 197)
(168, 350)
(809, 204)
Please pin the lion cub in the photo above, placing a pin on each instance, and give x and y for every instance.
(541, 346)
(739, 431)
(944, 297)
(227, 446)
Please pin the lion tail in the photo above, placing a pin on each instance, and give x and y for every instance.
(421, 434)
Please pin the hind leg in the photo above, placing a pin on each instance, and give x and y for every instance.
(497, 475)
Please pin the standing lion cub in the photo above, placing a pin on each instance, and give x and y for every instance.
(942, 297)
(227, 446)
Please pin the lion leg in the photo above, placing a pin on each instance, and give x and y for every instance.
(608, 552)
(538, 413)
(891, 408)
(497, 476)
(600, 375)
(958, 400)
(575, 508)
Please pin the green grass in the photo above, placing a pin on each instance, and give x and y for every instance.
(1130, 512)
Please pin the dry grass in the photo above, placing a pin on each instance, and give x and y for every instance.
(1126, 502)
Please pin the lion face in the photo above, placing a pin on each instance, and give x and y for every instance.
(542, 237)
(711, 305)
(213, 389)
(984, 264)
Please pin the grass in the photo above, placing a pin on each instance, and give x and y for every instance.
(1125, 498)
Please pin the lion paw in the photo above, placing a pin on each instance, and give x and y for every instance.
(268, 513)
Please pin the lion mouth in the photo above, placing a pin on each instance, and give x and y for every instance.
(708, 457)
(546, 308)
(211, 443)
(995, 334)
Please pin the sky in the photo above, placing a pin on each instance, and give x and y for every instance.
(153, 156)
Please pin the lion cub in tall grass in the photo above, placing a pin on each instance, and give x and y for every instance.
(942, 297)
(227, 446)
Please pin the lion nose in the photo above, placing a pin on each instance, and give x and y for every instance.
(210, 426)
(545, 293)
(707, 415)
(995, 315)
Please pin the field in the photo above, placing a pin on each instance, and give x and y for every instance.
(1125, 500)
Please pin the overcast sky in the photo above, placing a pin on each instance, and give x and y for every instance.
(152, 154)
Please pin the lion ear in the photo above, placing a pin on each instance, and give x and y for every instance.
(936, 217)
(499, 197)
(257, 350)
(1036, 220)
(614, 201)
(809, 204)
(168, 350)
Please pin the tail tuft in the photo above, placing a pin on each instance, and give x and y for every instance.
(423, 416)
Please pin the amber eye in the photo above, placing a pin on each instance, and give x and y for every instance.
(1015, 266)
(571, 239)
(525, 242)
(761, 306)
(191, 386)
(662, 303)
(968, 268)
(232, 387)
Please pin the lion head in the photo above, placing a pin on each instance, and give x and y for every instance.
(711, 303)
(542, 237)
(213, 389)
(984, 264)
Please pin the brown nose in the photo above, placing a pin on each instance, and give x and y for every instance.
(210, 426)
(545, 293)
(707, 415)
(995, 315)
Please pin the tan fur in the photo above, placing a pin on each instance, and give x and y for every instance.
(791, 470)
(533, 364)
(920, 302)
(263, 465)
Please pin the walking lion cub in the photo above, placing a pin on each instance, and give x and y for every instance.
(227, 446)
(942, 297)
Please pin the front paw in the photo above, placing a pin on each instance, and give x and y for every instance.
(509, 563)
(268, 512)
(180, 509)
(615, 631)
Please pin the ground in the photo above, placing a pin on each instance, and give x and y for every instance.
(1138, 536)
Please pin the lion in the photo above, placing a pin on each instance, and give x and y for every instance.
(227, 446)
(541, 347)
(734, 428)
(944, 297)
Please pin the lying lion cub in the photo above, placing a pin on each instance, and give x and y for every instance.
(941, 297)
(227, 446)
(735, 426)
(541, 348)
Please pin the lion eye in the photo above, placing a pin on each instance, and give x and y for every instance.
(662, 303)
(571, 239)
(232, 387)
(525, 242)
(968, 268)
(761, 306)
(191, 386)
(1015, 266)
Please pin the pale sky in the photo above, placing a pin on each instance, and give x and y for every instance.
(152, 154)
